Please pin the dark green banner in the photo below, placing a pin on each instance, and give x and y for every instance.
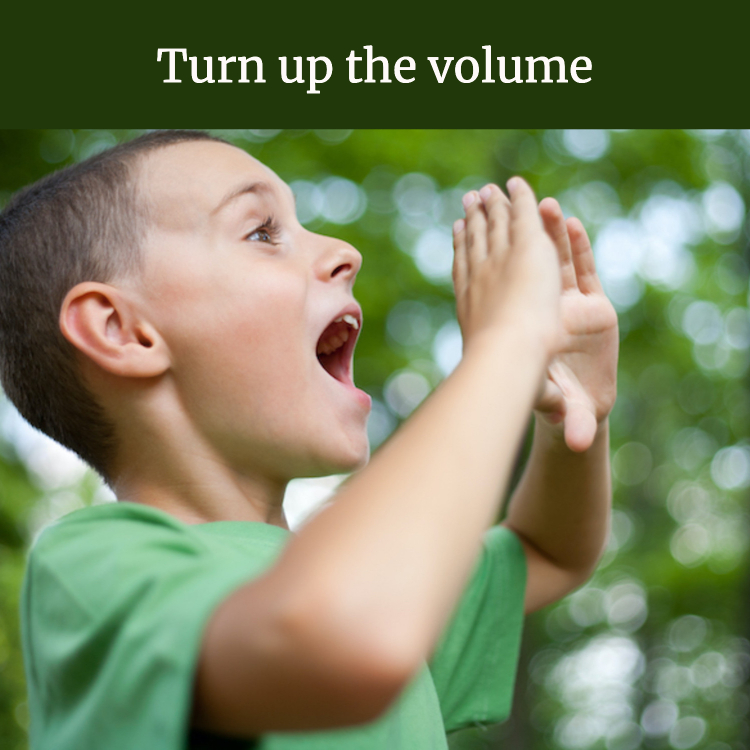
(572, 66)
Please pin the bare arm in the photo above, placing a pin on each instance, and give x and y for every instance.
(357, 601)
(562, 504)
(560, 510)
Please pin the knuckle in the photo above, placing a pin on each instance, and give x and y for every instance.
(496, 199)
(474, 242)
(472, 209)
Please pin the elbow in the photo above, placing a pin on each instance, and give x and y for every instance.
(369, 687)
(580, 570)
(360, 667)
(380, 673)
(577, 577)
(364, 678)
(278, 658)
(587, 566)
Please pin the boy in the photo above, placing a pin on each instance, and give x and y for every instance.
(164, 314)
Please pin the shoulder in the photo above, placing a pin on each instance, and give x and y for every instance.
(112, 563)
(120, 542)
(122, 515)
(106, 531)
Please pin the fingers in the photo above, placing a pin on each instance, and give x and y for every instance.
(460, 264)
(573, 247)
(484, 231)
(554, 224)
(583, 258)
(476, 230)
(497, 208)
(493, 223)
(525, 222)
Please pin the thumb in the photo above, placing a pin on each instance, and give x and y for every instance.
(580, 426)
(550, 401)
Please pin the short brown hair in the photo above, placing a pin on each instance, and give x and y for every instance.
(82, 223)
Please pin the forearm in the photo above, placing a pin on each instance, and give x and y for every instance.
(400, 540)
(341, 622)
(359, 597)
(562, 503)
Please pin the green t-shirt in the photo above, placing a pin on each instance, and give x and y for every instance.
(115, 601)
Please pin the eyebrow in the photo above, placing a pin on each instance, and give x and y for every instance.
(250, 187)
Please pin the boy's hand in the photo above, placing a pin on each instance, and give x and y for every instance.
(505, 270)
(580, 389)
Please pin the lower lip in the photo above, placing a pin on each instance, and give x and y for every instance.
(362, 398)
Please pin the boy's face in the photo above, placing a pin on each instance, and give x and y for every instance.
(242, 294)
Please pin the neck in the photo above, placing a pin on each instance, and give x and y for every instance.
(168, 465)
(205, 496)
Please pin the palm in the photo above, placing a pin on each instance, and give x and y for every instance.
(589, 346)
(581, 386)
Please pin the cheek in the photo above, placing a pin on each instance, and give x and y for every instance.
(267, 328)
(246, 338)
(244, 304)
(259, 351)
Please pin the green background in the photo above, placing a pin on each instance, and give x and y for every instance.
(652, 652)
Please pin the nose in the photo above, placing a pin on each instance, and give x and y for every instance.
(337, 260)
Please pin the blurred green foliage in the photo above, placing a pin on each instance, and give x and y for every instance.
(652, 652)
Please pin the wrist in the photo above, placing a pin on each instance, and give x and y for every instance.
(519, 345)
(552, 433)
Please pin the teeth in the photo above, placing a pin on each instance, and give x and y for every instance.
(338, 339)
(334, 342)
(350, 319)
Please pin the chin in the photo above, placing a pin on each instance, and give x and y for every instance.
(354, 456)
(361, 460)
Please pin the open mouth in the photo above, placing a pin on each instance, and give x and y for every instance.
(336, 347)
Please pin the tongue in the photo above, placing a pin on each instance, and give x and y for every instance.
(334, 365)
(331, 350)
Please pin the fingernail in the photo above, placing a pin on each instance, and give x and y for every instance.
(458, 226)
(513, 184)
(485, 192)
(469, 198)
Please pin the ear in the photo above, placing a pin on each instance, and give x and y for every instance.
(102, 322)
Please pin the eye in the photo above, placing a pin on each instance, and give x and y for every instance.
(260, 235)
(267, 232)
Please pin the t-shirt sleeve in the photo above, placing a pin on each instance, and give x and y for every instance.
(114, 616)
(474, 666)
